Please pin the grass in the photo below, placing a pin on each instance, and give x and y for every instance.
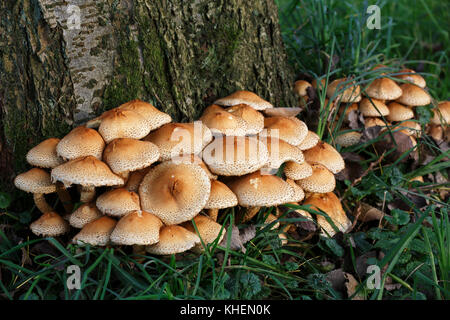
(413, 240)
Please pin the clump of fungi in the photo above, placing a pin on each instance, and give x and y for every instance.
(158, 186)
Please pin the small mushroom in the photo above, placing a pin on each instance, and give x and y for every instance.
(220, 197)
(244, 97)
(96, 233)
(173, 239)
(118, 202)
(50, 224)
(326, 155)
(85, 214)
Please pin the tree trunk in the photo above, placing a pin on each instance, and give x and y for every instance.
(64, 62)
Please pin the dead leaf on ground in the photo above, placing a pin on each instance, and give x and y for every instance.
(351, 284)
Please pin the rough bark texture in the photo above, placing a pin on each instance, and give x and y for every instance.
(180, 55)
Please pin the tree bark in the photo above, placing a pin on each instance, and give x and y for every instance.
(179, 55)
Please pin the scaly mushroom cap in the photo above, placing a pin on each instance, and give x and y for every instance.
(291, 130)
(81, 142)
(85, 214)
(135, 178)
(245, 97)
(235, 156)
(372, 122)
(321, 181)
(280, 151)
(399, 112)
(125, 155)
(118, 123)
(348, 139)
(35, 181)
(374, 108)
(296, 171)
(441, 114)
(352, 93)
(153, 116)
(220, 196)
(193, 159)
(86, 171)
(96, 233)
(326, 155)
(409, 127)
(282, 112)
(315, 84)
(345, 111)
(414, 78)
(208, 229)
(137, 227)
(384, 89)
(179, 139)
(223, 122)
(254, 119)
(298, 193)
(50, 224)
(44, 155)
(301, 87)
(255, 189)
(175, 192)
(310, 141)
(330, 204)
(413, 96)
(118, 202)
(173, 239)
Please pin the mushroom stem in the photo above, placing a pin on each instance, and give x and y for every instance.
(213, 213)
(139, 250)
(41, 203)
(250, 213)
(87, 194)
(64, 196)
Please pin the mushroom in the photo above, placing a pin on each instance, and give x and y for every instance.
(223, 122)
(50, 224)
(85, 214)
(208, 231)
(282, 112)
(135, 178)
(244, 97)
(441, 113)
(296, 171)
(413, 96)
(383, 89)
(89, 172)
(413, 77)
(344, 90)
(326, 155)
(154, 118)
(373, 121)
(81, 142)
(297, 192)
(373, 108)
(280, 151)
(118, 202)
(117, 123)
(36, 181)
(348, 138)
(399, 112)
(96, 233)
(291, 130)
(220, 197)
(175, 192)
(254, 119)
(173, 239)
(321, 181)
(310, 141)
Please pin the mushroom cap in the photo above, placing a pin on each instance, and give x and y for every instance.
(193, 159)
(179, 139)
(86, 171)
(175, 192)
(414, 78)
(220, 196)
(280, 151)
(345, 111)
(173, 239)
(301, 87)
(326, 155)
(137, 227)
(310, 141)
(330, 204)
(374, 121)
(117, 123)
(35, 181)
(125, 155)
(441, 114)
(296, 171)
(208, 229)
(399, 112)
(291, 130)
(118, 202)
(321, 181)
(413, 95)
(282, 112)
(298, 193)
(85, 214)
(245, 97)
(254, 119)
(44, 155)
(348, 139)
(81, 142)
(410, 127)
(225, 123)
(50, 224)
(374, 108)
(351, 93)
(97, 232)
(384, 89)
(321, 82)
(135, 178)
(153, 116)
(256, 189)
(235, 156)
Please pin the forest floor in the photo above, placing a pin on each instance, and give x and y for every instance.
(410, 243)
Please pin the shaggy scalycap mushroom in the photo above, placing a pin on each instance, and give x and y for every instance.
(118, 123)
(296, 171)
(81, 142)
(321, 181)
(399, 112)
(50, 224)
(413, 77)
(244, 97)
(137, 228)
(413, 96)
(282, 112)
(291, 130)
(220, 197)
(310, 141)
(384, 89)
(254, 119)
(301, 87)
(223, 122)
(374, 108)
(152, 116)
(44, 155)
(208, 230)
(280, 151)
(96, 233)
(118, 202)
(175, 192)
(346, 90)
(298, 193)
(173, 239)
(326, 155)
(86, 213)
(441, 114)
(347, 139)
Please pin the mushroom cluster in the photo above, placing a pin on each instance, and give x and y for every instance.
(147, 182)
(387, 101)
